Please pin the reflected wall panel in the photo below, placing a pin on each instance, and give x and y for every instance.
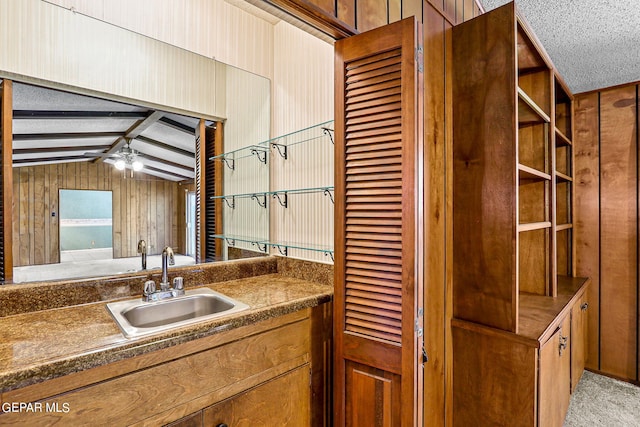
(143, 208)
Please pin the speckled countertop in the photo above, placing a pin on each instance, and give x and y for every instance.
(36, 346)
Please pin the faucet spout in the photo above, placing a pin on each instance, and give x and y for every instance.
(167, 259)
(142, 249)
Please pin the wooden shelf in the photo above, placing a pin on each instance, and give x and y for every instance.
(563, 178)
(529, 112)
(561, 139)
(537, 312)
(525, 173)
(562, 227)
(532, 226)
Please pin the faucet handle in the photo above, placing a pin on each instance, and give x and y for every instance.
(178, 283)
(149, 287)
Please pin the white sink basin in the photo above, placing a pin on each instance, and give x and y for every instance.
(136, 317)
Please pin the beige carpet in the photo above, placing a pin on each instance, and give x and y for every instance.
(603, 401)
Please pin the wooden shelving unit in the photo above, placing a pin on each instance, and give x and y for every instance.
(514, 294)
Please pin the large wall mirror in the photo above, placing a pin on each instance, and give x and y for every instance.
(144, 157)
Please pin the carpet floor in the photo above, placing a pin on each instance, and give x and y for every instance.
(603, 401)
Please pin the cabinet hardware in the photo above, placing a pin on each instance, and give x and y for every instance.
(584, 306)
(222, 425)
(563, 344)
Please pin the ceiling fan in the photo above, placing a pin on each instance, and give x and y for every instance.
(125, 158)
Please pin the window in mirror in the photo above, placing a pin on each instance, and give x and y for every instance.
(86, 219)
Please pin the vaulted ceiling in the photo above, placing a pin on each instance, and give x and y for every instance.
(52, 126)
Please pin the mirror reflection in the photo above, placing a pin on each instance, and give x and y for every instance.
(69, 152)
(144, 158)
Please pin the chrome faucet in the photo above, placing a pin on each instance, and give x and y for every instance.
(150, 293)
(167, 260)
(142, 249)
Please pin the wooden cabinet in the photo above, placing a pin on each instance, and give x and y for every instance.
(579, 323)
(253, 375)
(283, 401)
(513, 168)
(514, 290)
(524, 379)
(554, 376)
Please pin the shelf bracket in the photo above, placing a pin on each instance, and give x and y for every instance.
(330, 254)
(232, 205)
(231, 163)
(230, 241)
(282, 149)
(283, 201)
(328, 131)
(261, 199)
(262, 247)
(327, 192)
(282, 249)
(261, 155)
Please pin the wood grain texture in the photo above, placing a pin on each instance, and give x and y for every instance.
(283, 401)
(179, 386)
(618, 232)
(143, 208)
(494, 380)
(376, 300)
(587, 211)
(579, 332)
(554, 377)
(484, 168)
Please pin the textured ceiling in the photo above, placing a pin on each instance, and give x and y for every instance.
(593, 43)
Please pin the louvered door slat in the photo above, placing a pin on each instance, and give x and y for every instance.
(375, 300)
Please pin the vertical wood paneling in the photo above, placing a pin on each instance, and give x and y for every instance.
(437, 315)
(135, 201)
(371, 14)
(619, 228)
(586, 215)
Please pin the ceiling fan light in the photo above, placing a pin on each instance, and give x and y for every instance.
(119, 164)
(137, 165)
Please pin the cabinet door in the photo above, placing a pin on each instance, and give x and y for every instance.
(378, 241)
(283, 401)
(554, 377)
(578, 340)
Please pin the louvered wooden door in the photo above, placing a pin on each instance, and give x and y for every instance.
(378, 257)
(6, 184)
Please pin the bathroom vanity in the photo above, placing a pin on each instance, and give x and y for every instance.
(266, 365)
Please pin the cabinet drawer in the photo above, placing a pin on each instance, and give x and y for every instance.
(283, 401)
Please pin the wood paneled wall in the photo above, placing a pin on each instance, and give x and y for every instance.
(606, 161)
(143, 208)
(342, 18)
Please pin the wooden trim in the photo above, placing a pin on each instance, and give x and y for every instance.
(6, 118)
(316, 17)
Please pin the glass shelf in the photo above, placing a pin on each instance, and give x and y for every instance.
(229, 158)
(283, 247)
(280, 195)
